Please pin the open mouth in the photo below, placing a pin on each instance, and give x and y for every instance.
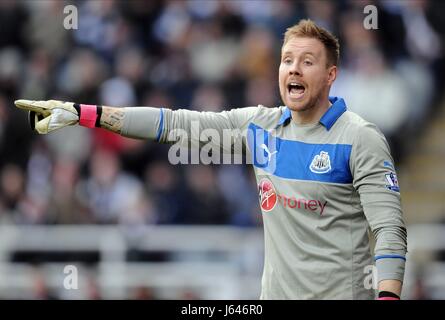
(296, 89)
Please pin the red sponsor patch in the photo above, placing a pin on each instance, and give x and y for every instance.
(267, 194)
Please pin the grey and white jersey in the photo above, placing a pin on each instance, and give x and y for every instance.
(321, 188)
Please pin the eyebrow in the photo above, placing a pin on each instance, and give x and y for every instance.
(303, 53)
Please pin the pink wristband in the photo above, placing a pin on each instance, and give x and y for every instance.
(88, 115)
(387, 298)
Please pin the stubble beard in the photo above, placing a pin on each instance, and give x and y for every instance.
(306, 106)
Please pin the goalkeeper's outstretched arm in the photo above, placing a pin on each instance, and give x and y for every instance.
(51, 115)
(135, 122)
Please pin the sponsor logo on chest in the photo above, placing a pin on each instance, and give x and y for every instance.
(269, 198)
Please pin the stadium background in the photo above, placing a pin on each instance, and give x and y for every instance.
(136, 227)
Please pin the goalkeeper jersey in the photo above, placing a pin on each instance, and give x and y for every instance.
(321, 188)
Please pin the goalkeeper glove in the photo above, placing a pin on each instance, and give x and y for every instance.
(47, 116)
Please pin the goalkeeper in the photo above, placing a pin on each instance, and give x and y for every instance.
(325, 175)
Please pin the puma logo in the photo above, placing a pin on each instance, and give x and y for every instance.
(266, 149)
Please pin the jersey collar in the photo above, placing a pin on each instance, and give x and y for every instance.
(334, 112)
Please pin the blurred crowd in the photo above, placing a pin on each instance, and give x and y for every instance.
(193, 54)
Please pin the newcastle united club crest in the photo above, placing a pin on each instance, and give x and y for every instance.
(321, 163)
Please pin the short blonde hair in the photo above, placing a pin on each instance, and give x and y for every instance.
(306, 28)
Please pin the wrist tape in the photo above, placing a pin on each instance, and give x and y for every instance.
(89, 115)
(386, 295)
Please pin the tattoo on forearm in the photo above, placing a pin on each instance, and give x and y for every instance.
(112, 119)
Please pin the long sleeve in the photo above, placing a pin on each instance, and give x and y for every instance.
(186, 126)
(375, 179)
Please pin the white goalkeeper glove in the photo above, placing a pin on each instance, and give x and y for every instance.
(47, 116)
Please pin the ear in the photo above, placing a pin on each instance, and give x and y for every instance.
(332, 74)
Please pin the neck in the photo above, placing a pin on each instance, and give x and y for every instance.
(313, 114)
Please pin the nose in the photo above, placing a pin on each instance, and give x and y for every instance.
(295, 69)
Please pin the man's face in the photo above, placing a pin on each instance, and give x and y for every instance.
(304, 77)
